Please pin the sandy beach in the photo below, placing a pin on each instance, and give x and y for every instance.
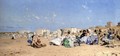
(20, 47)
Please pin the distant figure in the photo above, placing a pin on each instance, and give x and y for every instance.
(118, 24)
(13, 36)
(36, 42)
(93, 39)
(30, 38)
(82, 37)
(57, 41)
(66, 42)
(83, 34)
(105, 40)
(110, 34)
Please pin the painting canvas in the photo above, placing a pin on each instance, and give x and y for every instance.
(39, 21)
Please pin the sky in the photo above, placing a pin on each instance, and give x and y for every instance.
(55, 14)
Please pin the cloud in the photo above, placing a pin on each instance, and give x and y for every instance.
(54, 15)
(87, 8)
(11, 26)
(37, 17)
(84, 6)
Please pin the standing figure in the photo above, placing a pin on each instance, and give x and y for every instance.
(30, 38)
